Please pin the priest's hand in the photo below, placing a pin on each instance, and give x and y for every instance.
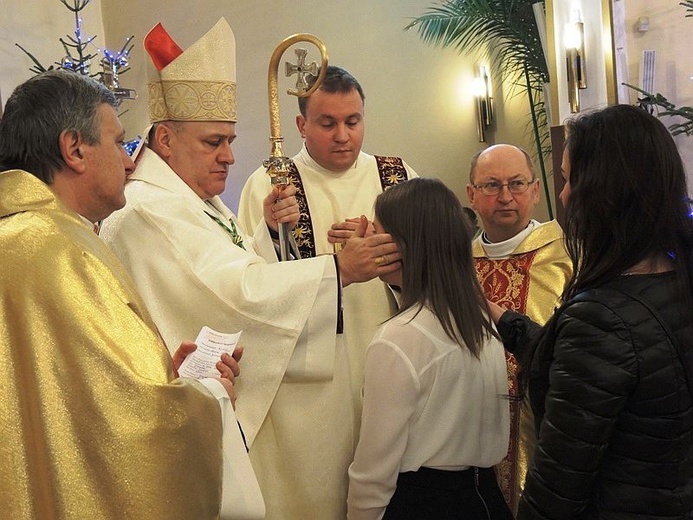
(230, 389)
(340, 232)
(281, 206)
(184, 350)
(227, 366)
(229, 370)
(364, 258)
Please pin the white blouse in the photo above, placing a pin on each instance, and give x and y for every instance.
(427, 402)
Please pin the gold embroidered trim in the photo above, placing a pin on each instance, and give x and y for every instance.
(192, 101)
(391, 171)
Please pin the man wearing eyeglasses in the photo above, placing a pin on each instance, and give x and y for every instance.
(522, 265)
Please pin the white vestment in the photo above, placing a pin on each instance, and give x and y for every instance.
(334, 197)
(293, 392)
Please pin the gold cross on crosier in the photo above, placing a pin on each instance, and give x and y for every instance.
(301, 69)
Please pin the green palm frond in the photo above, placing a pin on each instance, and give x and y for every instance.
(686, 113)
(468, 25)
(689, 7)
(509, 28)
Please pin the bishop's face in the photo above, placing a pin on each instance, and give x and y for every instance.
(333, 128)
(200, 153)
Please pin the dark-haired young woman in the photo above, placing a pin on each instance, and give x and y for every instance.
(611, 375)
(435, 410)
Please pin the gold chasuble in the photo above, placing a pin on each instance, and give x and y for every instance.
(529, 280)
(93, 427)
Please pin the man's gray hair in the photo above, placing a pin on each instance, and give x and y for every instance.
(42, 108)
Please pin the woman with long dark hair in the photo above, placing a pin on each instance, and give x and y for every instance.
(610, 378)
(435, 410)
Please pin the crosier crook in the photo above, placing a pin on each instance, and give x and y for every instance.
(277, 163)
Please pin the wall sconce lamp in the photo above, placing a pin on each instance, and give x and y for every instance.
(483, 96)
(575, 61)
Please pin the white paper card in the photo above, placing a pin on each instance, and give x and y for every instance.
(210, 346)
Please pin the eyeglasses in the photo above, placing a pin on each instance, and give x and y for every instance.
(514, 186)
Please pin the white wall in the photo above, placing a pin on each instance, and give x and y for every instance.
(415, 106)
(669, 35)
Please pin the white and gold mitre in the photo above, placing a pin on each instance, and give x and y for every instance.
(198, 84)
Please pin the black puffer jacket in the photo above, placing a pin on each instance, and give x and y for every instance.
(611, 392)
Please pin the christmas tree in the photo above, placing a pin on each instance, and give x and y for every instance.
(78, 58)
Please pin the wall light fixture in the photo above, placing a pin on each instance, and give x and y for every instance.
(483, 97)
(574, 41)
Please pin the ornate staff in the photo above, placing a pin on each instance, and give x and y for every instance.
(278, 164)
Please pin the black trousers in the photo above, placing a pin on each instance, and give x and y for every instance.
(432, 494)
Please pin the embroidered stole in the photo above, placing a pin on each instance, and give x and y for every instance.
(506, 282)
(391, 171)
